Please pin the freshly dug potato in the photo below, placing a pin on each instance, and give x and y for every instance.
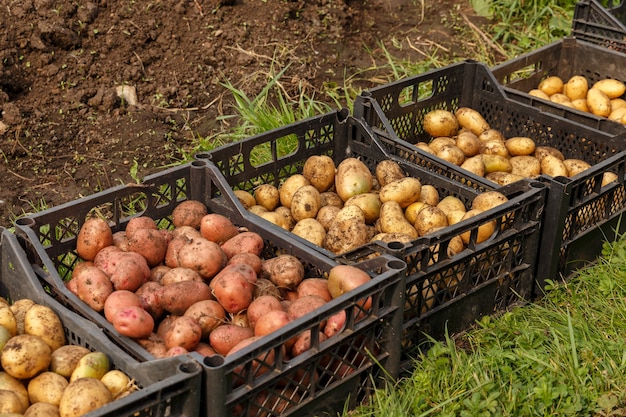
(118, 383)
(468, 143)
(248, 258)
(82, 396)
(575, 166)
(345, 278)
(42, 321)
(233, 287)
(488, 200)
(388, 171)
(304, 305)
(149, 243)
(10, 404)
(305, 203)
(411, 211)
(331, 198)
(47, 387)
(314, 286)
(7, 320)
(581, 104)
(535, 92)
(429, 218)
(244, 242)
(285, 271)
(553, 166)
(504, 178)
(392, 220)
(617, 114)
(520, 145)
(118, 300)
(451, 203)
(276, 218)
(440, 122)
(63, 360)
(598, 102)
(576, 87)
(208, 314)
(404, 191)
(471, 120)
(326, 215)
(178, 297)
(485, 230)
(562, 99)
(24, 356)
(452, 154)
(285, 212)
(494, 163)
(289, 187)
(225, 336)
(203, 256)
(525, 166)
(184, 332)
(494, 147)
(353, 177)
(320, 171)
(217, 228)
(311, 230)
(551, 85)
(260, 306)
(133, 321)
(475, 165)
(92, 365)
(369, 203)
(610, 87)
(140, 222)
(10, 383)
(246, 199)
(348, 231)
(437, 144)
(424, 147)
(267, 195)
(94, 235)
(491, 134)
(42, 410)
(19, 309)
(188, 213)
(608, 178)
(93, 287)
(542, 151)
(178, 274)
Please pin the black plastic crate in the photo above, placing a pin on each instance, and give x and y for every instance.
(168, 387)
(493, 277)
(369, 347)
(600, 25)
(579, 214)
(564, 58)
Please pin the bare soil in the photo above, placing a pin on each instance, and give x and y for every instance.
(65, 132)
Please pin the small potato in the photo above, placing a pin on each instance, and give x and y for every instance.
(437, 144)
(217, 228)
(535, 92)
(526, 166)
(542, 151)
(430, 218)
(581, 104)
(311, 230)
(267, 195)
(188, 213)
(94, 235)
(403, 191)
(575, 166)
(388, 171)
(82, 396)
(203, 256)
(610, 87)
(63, 360)
(452, 154)
(353, 177)
(47, 387)
(326, 215)
(608, 178)
(429, 195)
(488, 200)
(246, 199)
(598, 102)
(278, 219)
(475, 165)
(24, 356)
(440, 122)
(285, 212)
(244, 242)
(424, 147)
(520, 145)
(320, 171)
(305, 203)
(149, 243)
(118, 383)
(576, 87)
(504, 178)
(551, 85)
(331, 198)
(289, 187)
(485, 230)
(553, 166)
(450, 203)
(494, 163)
(42, 321)
(472, 120)
(469, 143)
(411, 211)
(369, 203)
(133, 321)
(561, 99)
(93, 287)
(494, 147)
(392, 220)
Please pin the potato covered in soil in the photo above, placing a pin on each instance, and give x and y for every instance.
(94, 235)
(82, 396)
(319, 170)
(24, 356)
(353, 177)
(188, 213)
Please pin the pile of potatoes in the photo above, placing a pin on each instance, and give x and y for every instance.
(346, 206)
(464, 138)
(603, 98)
(41, 375)
(202, 286)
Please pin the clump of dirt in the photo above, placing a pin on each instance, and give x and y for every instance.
(97, 93)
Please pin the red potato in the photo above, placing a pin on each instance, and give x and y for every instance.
(285, 271)
(270, 322)
(149, 243)
(233, 287)
(261, 365)
(120, 240)
(178, 274)
(176, 351)
(117, 300)
(189, 213)
(148, 294)
(139, 222)
(106, 259)
(260, 306)
(345, 278)
(303, 342)
(154, 345)
(248, 258)
(164, 326)
(186, 231)
(314, 286)
(205, 349)
(202, 255)
(93, 287)
(178, 297)
(208, 314)
(171, 254)
(224, 337)
(71, 286)
(305, 305)
(133, 321)
(94, 235)
(217, 228)
(81, 265)
(244, 242)
(130, 272)
(335, 323)
(183, 332)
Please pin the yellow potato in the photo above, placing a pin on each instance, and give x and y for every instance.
(7, 319)
(542, 151)
(352, 178)
(485, 230)
(451, 203)
(19, 308)
(488, 200)
(285, 212)
(118, 383)
(411, 211)
(535, 92)
(520, 145)
(348, 231)
(438, 143)
(576, 87)
(326, 215)
(455, 216)
(42, 321)
(320, 171)
(429, 218)
(369, 203)
(551, 85)
(612, 88)
(305, 203)
(64, 359)
(24, 356)
(257, 209)
(617, 114)
(82, 396)
(388, 171)
(245, 198)
(392, 220)
(471, 120)
(503, 178)
(46, 387)
(42, 410)
(495, 163)
(92, 365)
(526, 166)
(429, 195)
(553, 166)
(440, 123)
(494, 147)
(617, 103)
(424, 147)
(267, 195)
(575, 166)
(452, 154)
(562, 99)
(311, 230)
(598, 102)
(331, 198)
(491, 134)
(289, 187)
(475, 165)
(275, 218)
(468, 142)
(581, 104)
(10, 404)
(403, 191)
(608, 178)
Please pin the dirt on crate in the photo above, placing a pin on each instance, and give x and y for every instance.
(66, 131)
